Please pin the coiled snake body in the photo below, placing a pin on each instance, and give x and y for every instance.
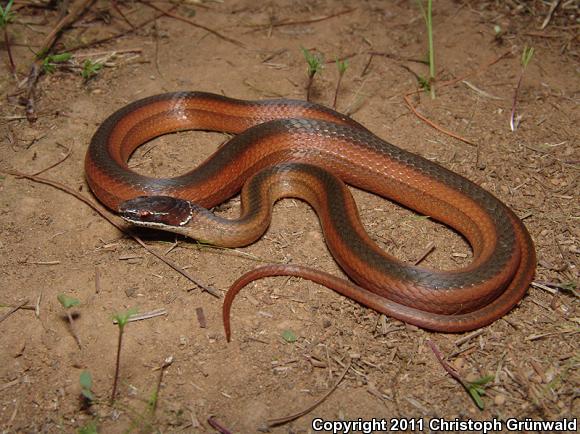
(292, 148)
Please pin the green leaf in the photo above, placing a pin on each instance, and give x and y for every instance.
(475, 389)
(342, 66)
(50, 61)
(483, 380)
(90, 69)
(289, 336)
(424, 83)
(67, 302)
(475, 394)
(6, 15)
(527, 55)
(152, 401)
(89, 428)
(86, 380)
(123, 317)
(314, 61)
(59, 58)
(88, 394)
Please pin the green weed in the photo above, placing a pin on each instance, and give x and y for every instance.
(315, 64)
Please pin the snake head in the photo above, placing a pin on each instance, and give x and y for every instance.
(161, 212)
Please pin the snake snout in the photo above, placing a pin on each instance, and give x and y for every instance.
(158, 211)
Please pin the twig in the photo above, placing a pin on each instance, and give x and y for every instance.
(55, 164)
(42, 262)
(549, 285)
(25, 307)
(217, 425)
(166, 364)
(544, 287)
(109, 53)
(428, 249)
(10, 384)
(97, 280)
(300, 22)
(145, 315)
(468, 337)
(118, 35)
(480, 91)
(194, 24)
(449, 83)
(9, 51)
(397, 57)
(37, 305)
(121, 228)
(553, 7)
(286, 419)
(117, 365)
(120, 12)
(445, 365)
(200, 317)
(475, 71)
(433, 124)
(14, 309)
(73, 328)
(36, 68)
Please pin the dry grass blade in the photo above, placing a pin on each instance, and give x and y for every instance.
(68, 153)
(308, 21)
(118, 35)
(145, 315)
(194, 24)
(36, 68)
(449, 83)
(433, 124)
(286, 419)
(553, 7)
(14, 309)
(118, 225)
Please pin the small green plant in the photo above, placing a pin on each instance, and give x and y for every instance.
(427, 84)
(68, 303)
(6, 16)
(527, 55)
(121, 319)
(315, 64)
(90, 69)
(289, 336)
(476, 389)
(498, 34)
(154, 399)
(86, 382)
(342, 66)
(89, 428)
(50, 62)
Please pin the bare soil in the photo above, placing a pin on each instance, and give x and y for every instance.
(50, 243)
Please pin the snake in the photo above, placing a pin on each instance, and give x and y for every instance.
(290, 148)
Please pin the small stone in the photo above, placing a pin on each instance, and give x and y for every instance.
(499, 400)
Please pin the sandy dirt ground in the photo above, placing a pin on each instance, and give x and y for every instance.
(50, 243)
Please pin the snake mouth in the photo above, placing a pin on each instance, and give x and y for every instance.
(156, 211)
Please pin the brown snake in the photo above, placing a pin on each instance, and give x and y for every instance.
(287, 148)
